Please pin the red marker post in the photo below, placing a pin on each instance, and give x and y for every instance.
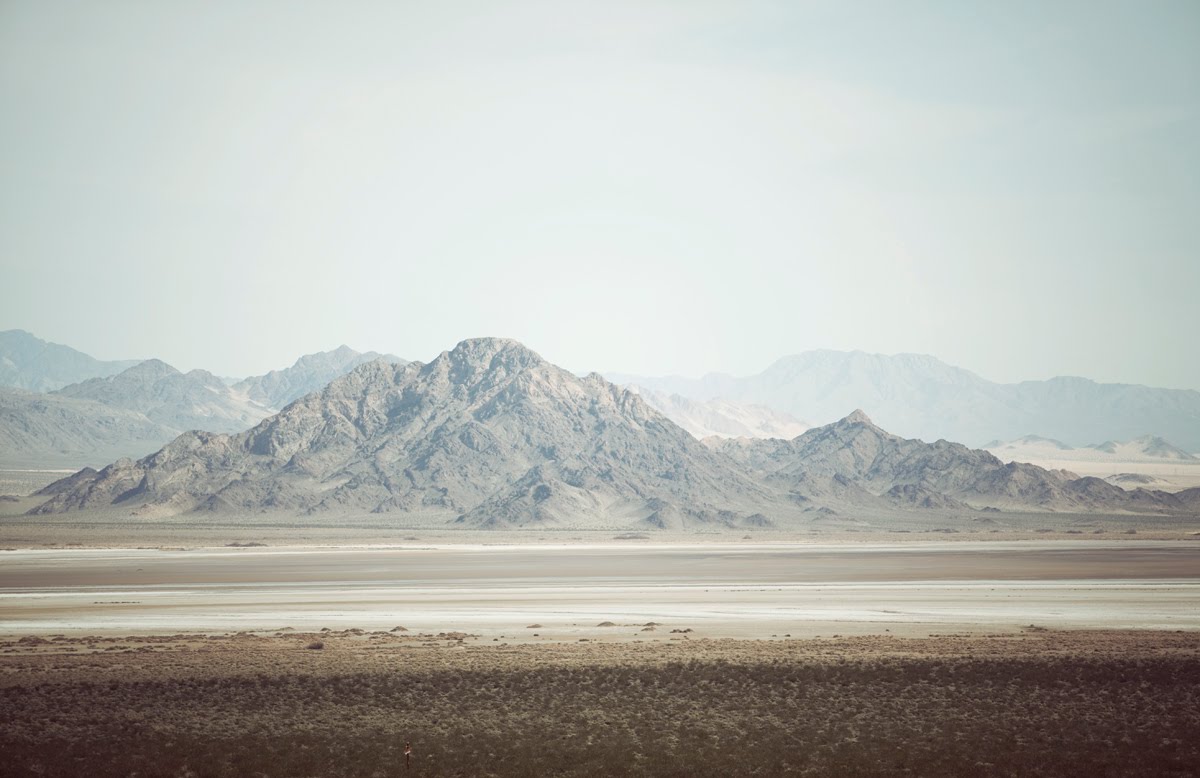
(407, 754)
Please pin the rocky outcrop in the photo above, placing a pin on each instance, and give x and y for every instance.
(487, 434)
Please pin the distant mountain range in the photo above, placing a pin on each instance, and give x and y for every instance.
(1148, 448)
(922, 397)
(179, 401)
(311, 372)
(490, 434)
(27, 362)
(138, 409)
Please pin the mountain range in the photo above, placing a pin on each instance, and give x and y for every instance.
(28, 362)
(138, 409)
(1148, 448)
(490, 434)
(920, 396)
(310, 372)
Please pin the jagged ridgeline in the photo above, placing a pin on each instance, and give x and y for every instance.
(491, 434)
(488, 433)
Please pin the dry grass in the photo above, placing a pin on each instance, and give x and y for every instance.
(1045, 703)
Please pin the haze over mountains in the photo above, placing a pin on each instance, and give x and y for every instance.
(722, 418)
(138, 408)
(310, 372)
(490, 434)
(920, 396)
(487, 433)
(1147, 448)
(28, 362)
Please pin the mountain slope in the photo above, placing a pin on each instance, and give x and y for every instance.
(48, 430)
(919, 396)
(857, 463)
(488, 433)
(310, 372)
(1147, 447)
(28, 362)
(720, 417)
(179, 401)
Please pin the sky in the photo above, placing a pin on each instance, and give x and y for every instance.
(649, 188)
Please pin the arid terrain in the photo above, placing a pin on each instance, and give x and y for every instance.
(345, 703)
(713, 590)
(1046, 657)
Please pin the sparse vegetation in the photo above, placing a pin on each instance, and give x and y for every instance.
(1034, 704)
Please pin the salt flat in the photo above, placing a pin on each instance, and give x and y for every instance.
(716, 591)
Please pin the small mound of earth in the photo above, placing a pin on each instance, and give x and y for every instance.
(399, 629)
(606, 624)
(534, 626)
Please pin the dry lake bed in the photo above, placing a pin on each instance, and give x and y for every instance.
(716, 591)
(1031, 658)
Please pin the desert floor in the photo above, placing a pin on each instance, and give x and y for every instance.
(1035, 657)
(1030, 703)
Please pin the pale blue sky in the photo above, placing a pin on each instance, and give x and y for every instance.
(639, 187)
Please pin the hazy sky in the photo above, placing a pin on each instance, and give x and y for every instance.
(646, 187)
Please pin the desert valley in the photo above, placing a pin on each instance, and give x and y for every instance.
(580, 389)
(361, 520)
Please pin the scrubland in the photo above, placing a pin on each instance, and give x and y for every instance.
(1041, 702)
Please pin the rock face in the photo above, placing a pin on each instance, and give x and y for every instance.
(856, 463)
(490, 434)
(27, 362)
(722, 418)
(179, 401)
(920, 396)
(310, 373)
(486, 434)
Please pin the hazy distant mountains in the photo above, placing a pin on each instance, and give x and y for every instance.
(53, 431)
(920, 396)
(1147, 448)
(27, 362)
(722, 418)
(490, 434)
(310, 373)
(136, 410)
(180, 401)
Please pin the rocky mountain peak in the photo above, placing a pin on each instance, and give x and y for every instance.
(150, 369)
(487, 352)
(858, 417)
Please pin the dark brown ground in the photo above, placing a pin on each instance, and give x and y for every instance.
(1038, 703)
